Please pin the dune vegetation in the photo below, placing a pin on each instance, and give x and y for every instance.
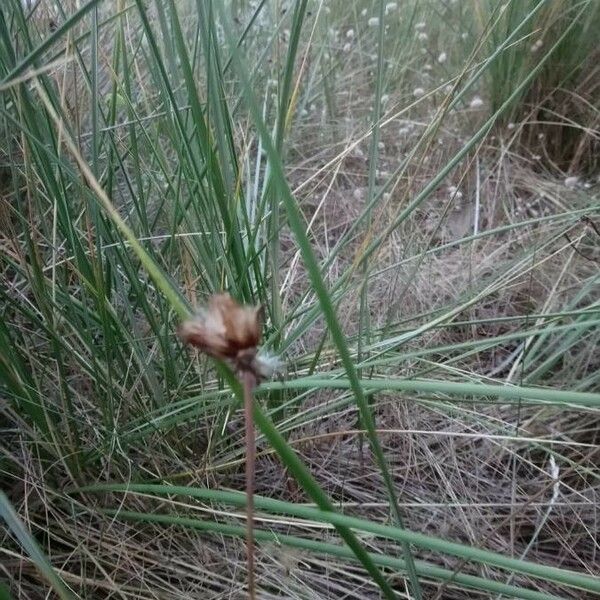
(409, 191)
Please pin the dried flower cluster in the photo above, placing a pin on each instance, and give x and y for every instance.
(228, 331)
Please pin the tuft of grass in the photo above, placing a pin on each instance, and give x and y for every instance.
(554, 110)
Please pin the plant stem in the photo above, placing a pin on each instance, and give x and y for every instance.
(249, 383)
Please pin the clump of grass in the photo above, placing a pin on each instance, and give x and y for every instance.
(555, 117)
(431, 285)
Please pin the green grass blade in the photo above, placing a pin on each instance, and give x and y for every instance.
(480, 390)
(7, 512)
(423, 569)
(563, 576)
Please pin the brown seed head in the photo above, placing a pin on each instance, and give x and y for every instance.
(225, 329)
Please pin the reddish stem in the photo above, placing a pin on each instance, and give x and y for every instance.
(249, 382)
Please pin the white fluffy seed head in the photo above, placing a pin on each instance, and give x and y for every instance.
(476, 102)
(571, 182)
(536, 46)
(454, 192)
(266, 365)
